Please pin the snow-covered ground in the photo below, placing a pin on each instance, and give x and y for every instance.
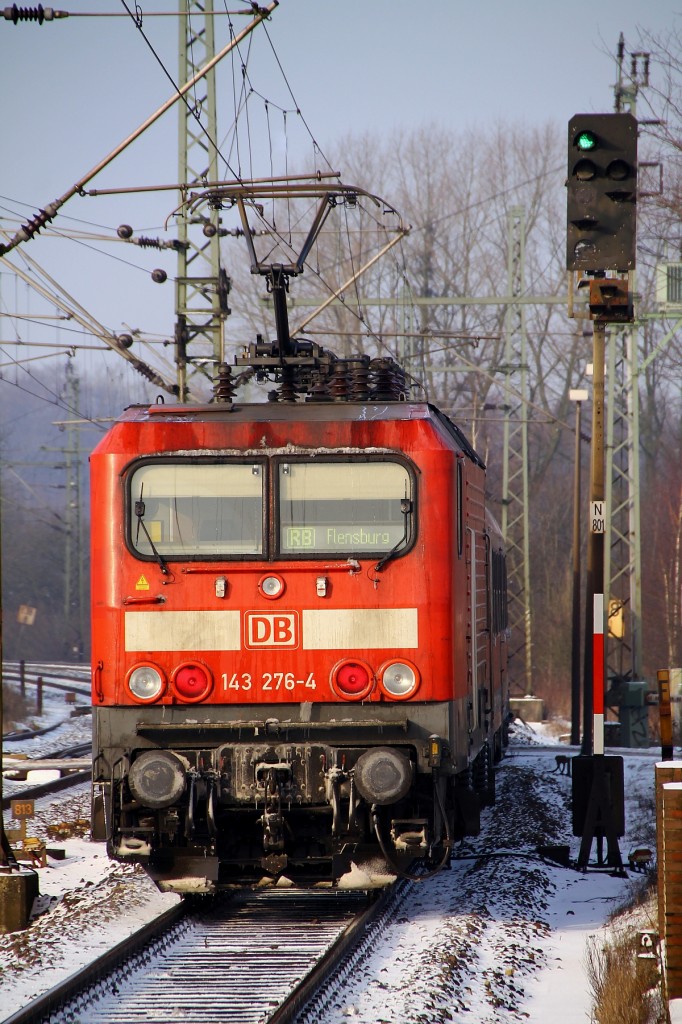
(494, 939)
(503, 939)
(87, 903)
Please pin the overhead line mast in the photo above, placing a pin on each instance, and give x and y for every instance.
(202, 285)
(515, 472)
(622, 555)
(601, 250)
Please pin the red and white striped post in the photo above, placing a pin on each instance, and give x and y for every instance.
(593, 691)
(598, 674)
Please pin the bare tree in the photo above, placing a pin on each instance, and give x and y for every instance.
(437, 303)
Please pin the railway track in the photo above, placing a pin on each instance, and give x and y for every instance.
(65, 677)
(18, 735)
(253, 958)
(47, 788)
(67, 780)
(473, 941)
(525, 751)
(55, 669)
(74, 679)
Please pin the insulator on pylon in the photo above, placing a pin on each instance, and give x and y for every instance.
(149, 243)
(147, 372)
(223, 388)
(34, 225)
(39, 14)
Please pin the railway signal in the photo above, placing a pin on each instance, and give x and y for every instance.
(602, 192)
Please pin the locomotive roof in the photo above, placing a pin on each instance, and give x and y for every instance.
(281, 412)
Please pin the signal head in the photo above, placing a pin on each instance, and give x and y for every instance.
(585, 141)
(602, 193)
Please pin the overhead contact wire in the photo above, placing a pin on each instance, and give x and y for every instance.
(191, 109)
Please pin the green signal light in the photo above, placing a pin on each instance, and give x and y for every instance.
(585, 141)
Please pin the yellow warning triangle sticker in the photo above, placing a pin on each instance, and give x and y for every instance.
(142, 584)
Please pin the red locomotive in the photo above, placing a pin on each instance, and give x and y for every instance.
(299, 630)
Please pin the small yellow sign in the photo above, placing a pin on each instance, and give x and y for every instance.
(142, 583)
(26, 615)
(616, 620)
(22, 809)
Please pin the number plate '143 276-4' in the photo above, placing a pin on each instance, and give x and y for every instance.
(268, 681)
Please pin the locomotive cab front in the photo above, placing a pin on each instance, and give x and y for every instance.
(299, 642)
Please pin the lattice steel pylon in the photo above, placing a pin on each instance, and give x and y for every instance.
(201, 285)
(515, 518)
(622, 550)
(74, 570)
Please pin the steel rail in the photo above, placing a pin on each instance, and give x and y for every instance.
(345, 946)
(29, 734)
(239, 966)
(38, 1009)
(47, 788)
(32, 678)
(59, 669)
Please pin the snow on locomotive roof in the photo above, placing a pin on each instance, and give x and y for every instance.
(278, 411)
(275, 412)
(285, 449)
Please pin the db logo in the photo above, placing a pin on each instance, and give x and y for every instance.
(262, 629)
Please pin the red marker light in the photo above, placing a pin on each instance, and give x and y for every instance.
(191, 682)
(352, 679)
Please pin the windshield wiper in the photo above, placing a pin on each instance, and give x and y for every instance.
(139, 512)
(405, 508)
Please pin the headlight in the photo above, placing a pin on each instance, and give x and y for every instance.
(383, 775)
(271, 586)
(399, 679)
(157, 778)
(146, 683)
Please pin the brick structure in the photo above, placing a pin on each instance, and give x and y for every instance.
(666, 771)
(669, 853)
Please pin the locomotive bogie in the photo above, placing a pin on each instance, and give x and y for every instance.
(299, 641)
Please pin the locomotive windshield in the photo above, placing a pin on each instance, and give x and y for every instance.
(194, 509)
(206, 509)
(346, 507)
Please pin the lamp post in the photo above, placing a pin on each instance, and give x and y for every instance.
(578, 396)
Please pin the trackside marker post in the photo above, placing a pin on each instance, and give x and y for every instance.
(598, 674)
(601, 249)
(598, 791)
(598, 783)
(665, 715)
